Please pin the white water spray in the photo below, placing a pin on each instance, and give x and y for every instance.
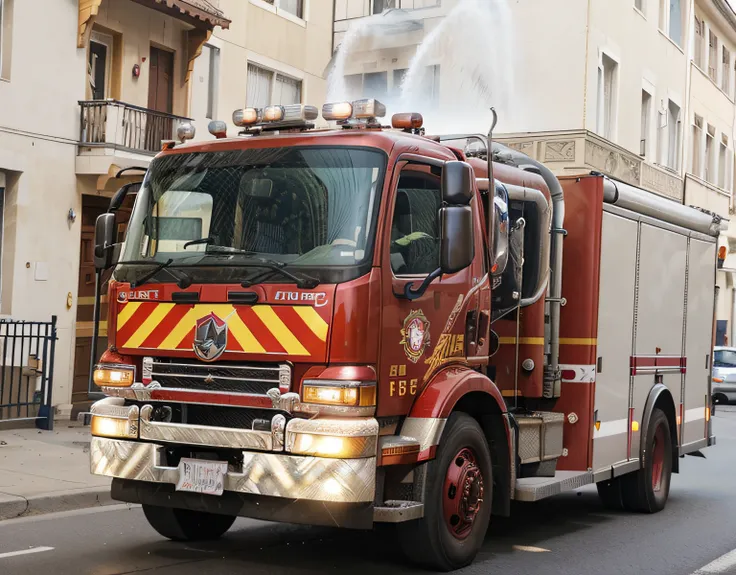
(474, 46)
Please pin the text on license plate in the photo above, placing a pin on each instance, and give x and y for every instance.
(199, 476)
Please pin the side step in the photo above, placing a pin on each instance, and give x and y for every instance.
(398, 511)
(540, 442)
(536, 488)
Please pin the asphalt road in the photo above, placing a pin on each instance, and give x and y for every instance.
(569, 534)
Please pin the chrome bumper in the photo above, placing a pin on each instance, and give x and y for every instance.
(272, 471)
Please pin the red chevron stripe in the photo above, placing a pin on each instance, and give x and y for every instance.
(140, 315)
(264, 336)
(300, 329)
(162, 330)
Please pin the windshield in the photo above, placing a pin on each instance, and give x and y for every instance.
(724, 358)
(218, 215)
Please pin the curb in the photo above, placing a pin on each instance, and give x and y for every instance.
(13, 506)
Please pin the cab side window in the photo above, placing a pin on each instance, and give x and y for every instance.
(415, 229)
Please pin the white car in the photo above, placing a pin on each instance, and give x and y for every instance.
(724, 374)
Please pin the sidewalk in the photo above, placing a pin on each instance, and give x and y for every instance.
(48, 471)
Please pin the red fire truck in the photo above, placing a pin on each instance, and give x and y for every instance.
(365, 324)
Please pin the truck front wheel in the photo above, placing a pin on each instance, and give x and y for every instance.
(186, 525)
(457, 504)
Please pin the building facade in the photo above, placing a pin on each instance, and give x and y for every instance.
(113, 79)
(640, 90)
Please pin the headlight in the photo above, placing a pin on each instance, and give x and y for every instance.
(114, 375)
(333, 446)
(339, 393)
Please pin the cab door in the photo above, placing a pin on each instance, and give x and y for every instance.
(422, 335)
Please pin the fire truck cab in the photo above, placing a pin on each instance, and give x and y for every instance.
(364, 324)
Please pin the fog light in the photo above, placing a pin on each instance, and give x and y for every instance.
(102, 426)
(333, 446)
(114, 375)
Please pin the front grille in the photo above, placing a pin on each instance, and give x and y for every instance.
(232, 417)
(227, 378)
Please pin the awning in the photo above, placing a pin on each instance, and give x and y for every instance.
(200, 14)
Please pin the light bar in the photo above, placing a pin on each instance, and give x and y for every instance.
(218, 129)
(273, 114)
(337, 111)
(185, 131)
(297, 112)
(245, 117)
(369, 108)
(407, 121)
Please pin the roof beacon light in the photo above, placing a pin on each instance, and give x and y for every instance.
(300, 113)
(218, 129)
(407, 121)
(273, 114)
(337, 111)
(368, 109)
(246, 117)
(185, 132)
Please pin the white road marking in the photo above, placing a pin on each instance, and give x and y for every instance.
(529, 549)
(25, 552)
(721, 565)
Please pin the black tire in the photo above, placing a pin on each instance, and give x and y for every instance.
(442, 540)
(638, 489)
(609, 492)
(186, 525)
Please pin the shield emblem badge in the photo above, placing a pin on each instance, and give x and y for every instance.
(210, 337)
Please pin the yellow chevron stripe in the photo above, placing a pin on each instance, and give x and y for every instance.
(313, 321)
(279, 330)
(185, 325)
(127, 312)
(245, 337)
(140, 335)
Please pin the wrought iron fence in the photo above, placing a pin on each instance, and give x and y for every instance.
(27, 371)
(116, 124)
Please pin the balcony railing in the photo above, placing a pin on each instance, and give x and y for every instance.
(117, 125)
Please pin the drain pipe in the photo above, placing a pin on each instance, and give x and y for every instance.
(504, 154)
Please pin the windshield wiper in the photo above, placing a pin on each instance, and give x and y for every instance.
(305, 282)
(199, 242)
(182, 280)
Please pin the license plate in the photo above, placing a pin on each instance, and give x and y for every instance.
(198, 476)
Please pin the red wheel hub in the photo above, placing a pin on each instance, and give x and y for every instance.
(463, 493)
(658, 458)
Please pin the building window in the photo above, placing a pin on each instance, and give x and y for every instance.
(722, 159)
(639, 5)
(295, 7)
(214, 82)
(726, 71)
(266, 88)
(699, 42)
(675, 17)
(712, 55)
(379, 6)
(710, 155)
(398, 80)
(646, 114)
(695, 163)
(6, 37)
(607, 80)
(369, 85)
(673, 135)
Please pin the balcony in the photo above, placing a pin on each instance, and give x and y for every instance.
(120, 134)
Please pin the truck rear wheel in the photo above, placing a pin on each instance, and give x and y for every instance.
(457, 505)
(186, 525)
(647, 489)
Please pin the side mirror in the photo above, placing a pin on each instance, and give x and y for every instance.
(104, 241)
(457, 245)
(457, 183)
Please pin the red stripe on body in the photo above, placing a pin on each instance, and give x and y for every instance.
(262, 401)
(163, 329)
(259, 330)
(139, 316)
(301, 330)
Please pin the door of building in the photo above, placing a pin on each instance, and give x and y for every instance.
(160, 98)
